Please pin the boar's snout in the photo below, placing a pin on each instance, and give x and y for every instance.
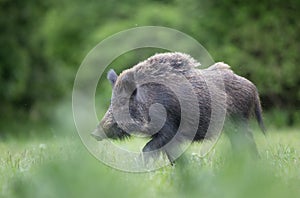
(102, 129)
(108, 129)
(98, 134)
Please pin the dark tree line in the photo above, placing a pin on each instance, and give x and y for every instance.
(42, 44)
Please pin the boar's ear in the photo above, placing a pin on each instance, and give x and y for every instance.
(112, 77)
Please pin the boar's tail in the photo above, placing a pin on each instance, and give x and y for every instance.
(258, 114)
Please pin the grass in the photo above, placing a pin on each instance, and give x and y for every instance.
(62, 167)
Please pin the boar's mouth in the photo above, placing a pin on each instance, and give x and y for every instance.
(114, 132)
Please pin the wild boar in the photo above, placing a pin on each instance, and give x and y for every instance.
(133, 97)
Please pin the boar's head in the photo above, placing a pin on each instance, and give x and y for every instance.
(122, 92)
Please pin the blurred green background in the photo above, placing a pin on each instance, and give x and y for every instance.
(42, 44)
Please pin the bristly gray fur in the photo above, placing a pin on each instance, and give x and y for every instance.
(242, 99)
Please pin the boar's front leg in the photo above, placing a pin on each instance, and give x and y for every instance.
(155, 146)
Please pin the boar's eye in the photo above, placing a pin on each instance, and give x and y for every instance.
(123, 100)
(112, 77)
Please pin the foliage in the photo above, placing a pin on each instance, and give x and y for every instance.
(43, 43)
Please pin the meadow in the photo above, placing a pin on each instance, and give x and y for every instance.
(42, 44)
(60, 166)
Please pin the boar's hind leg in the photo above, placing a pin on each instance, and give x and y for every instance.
(154, 147)
(241, 138)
